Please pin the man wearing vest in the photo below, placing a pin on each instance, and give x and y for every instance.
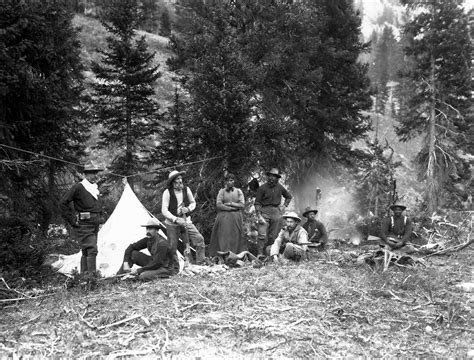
(176, 206)
(86, 217)
(396, 230)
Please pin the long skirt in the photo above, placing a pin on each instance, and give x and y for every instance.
(227, 233)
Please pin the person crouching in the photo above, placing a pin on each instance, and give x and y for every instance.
(159, 264)
(291, 240)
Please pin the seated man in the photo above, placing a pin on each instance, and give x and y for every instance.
(317, 234)
(289, 238)
(396, 230)
(159, 264)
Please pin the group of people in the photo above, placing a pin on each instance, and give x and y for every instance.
(279, 236)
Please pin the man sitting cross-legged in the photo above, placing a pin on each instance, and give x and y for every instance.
(159, 264)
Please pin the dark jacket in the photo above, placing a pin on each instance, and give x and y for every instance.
(157, 246)
(271, 196)
(83, 202)
(316, 232)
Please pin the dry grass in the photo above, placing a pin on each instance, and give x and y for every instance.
(315, 309)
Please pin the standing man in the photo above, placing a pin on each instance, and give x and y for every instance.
(176, 206)
(85, 216)
(396, 230)
(291, 241)
(159, 264)
(268, 209)
(317, 234)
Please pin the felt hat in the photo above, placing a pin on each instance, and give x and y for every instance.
(91, 166)
(173, 175)
(291, 215)
(153, 223)
(394, 206)
(309, 209)
(274, 172)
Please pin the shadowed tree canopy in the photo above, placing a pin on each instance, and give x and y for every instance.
(272, 81)
(41, 84)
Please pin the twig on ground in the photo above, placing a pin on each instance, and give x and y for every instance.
(453, 249)
(3, 280)
(26, 298)
(165, 344)
(312, 347)
(119, 322)
(131, 353)
(92, 326)
(195, 304)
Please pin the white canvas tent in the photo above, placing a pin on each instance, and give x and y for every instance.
(122, 228)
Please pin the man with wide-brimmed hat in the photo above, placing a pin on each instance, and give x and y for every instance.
(86, 215)
(156, 265)
(396, 230)
(268, 208)
(176, 206)
(291, 242)
(317, 234)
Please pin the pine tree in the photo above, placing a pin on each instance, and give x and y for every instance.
(41, 82)
(165, 23)
(278, 79)
(437, 90)
(219, 84)
(124, 102)
(315, 79)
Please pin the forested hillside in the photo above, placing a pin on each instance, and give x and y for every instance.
(359, 108)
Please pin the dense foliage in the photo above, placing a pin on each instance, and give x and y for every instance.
(274, 83)
(41, 84)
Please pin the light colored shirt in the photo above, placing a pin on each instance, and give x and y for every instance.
(235, 196)
(165, 202)
(297, 236)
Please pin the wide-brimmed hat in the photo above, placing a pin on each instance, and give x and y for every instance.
(153, 223)
(229, 176)
(309, 209)
(173, 175)
(394, 206)
(291, 215)
(274, 172)
(91, 166)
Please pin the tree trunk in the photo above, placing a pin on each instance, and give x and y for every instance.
(430, 171)
(376, 199)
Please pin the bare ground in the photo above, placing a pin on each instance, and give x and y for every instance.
(316, 309)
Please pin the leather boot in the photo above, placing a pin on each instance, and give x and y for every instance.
(83, 264)
(91, 263)
(261, 246)
(200, 254)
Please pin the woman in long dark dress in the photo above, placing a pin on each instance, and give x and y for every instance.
(227, 233)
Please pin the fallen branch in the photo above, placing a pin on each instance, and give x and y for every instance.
(25, 298)
(128, 353)
(119, 322)
(165, 344)
(452, 249)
